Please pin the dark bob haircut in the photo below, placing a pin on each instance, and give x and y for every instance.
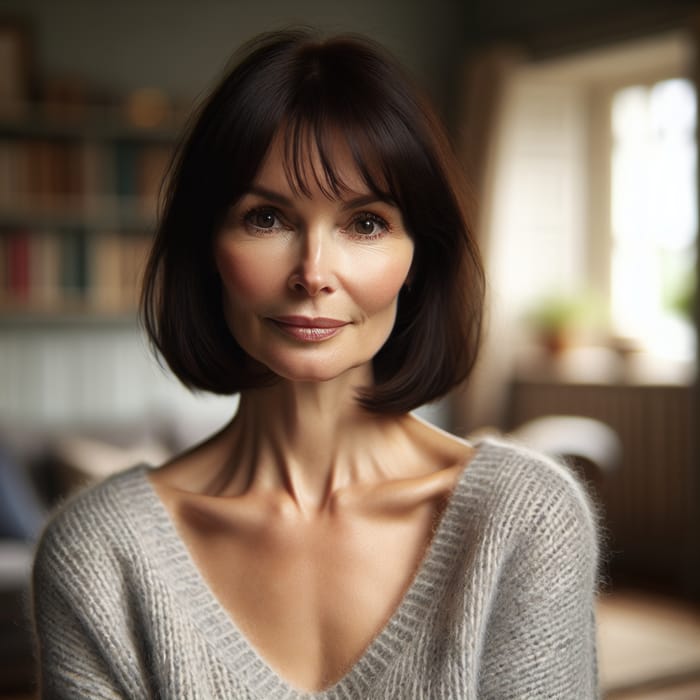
(307, 89)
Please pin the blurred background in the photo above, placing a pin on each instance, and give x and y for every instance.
(577, 126)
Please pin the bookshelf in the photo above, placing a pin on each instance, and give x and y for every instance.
(78, 196)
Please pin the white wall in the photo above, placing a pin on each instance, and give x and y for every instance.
(75, 377)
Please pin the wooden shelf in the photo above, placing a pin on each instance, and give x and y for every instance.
(95, 123)
(123, 215)
(77, 212)
(77, 316)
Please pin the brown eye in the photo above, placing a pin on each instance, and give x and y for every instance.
(365, 226)
(263, 218)
(369, 225)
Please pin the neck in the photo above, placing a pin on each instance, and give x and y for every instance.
(309, 439)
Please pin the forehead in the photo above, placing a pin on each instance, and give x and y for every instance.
(306, 162)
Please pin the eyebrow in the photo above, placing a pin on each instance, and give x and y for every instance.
(359, 201)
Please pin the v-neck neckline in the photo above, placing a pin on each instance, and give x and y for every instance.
(231, 646)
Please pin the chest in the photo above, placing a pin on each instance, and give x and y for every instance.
(310, 597)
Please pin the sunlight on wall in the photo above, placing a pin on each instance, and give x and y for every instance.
(538, 199)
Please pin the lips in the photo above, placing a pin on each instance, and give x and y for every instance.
(308, 329)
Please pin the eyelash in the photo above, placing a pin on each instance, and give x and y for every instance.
(368, 216)
(380, 222)
(254, 211)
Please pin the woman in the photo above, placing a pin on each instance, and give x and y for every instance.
(314, 256)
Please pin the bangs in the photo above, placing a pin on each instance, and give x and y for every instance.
(310, 147)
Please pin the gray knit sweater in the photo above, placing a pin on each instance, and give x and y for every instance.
(501, 607)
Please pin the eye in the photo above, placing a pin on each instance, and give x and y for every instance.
(369, 225)
(264, 219)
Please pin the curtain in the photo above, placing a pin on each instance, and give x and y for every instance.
(485, 80)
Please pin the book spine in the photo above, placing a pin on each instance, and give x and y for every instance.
(4, 266)
(74, 272)
(106, 255)
(44, 253)
(18, 265)
(125, 156)
(153, 162)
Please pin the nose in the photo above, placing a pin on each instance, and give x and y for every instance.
(313, 270)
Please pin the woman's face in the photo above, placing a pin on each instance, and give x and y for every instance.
(311, 283)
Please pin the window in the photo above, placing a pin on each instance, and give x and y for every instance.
(653, 216)
(592, 214)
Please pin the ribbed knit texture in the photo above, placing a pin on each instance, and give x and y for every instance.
(501, 606)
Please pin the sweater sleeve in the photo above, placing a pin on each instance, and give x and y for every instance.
(70, 664)
(85, 646)
(541, 636)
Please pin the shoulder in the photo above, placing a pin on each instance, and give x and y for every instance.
(98, 507)
(86, 532)
(531, 494)
(539, 545)
(510, 470)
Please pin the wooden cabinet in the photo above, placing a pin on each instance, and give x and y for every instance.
(649, 502)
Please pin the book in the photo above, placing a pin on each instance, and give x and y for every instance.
(44, 270)
(74, 272)
(135, 250)
(4, 292)
(125, 162)
(153, 164)
(18, 265)
(106, 293)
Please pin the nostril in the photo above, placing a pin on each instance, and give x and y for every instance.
(300, 286)
(311, 282)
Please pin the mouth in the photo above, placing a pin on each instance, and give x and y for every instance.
(308, 329)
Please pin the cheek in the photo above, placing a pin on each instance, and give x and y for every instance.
(246, 275)
(378, 283)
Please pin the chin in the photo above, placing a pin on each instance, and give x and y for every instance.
(309, 372)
